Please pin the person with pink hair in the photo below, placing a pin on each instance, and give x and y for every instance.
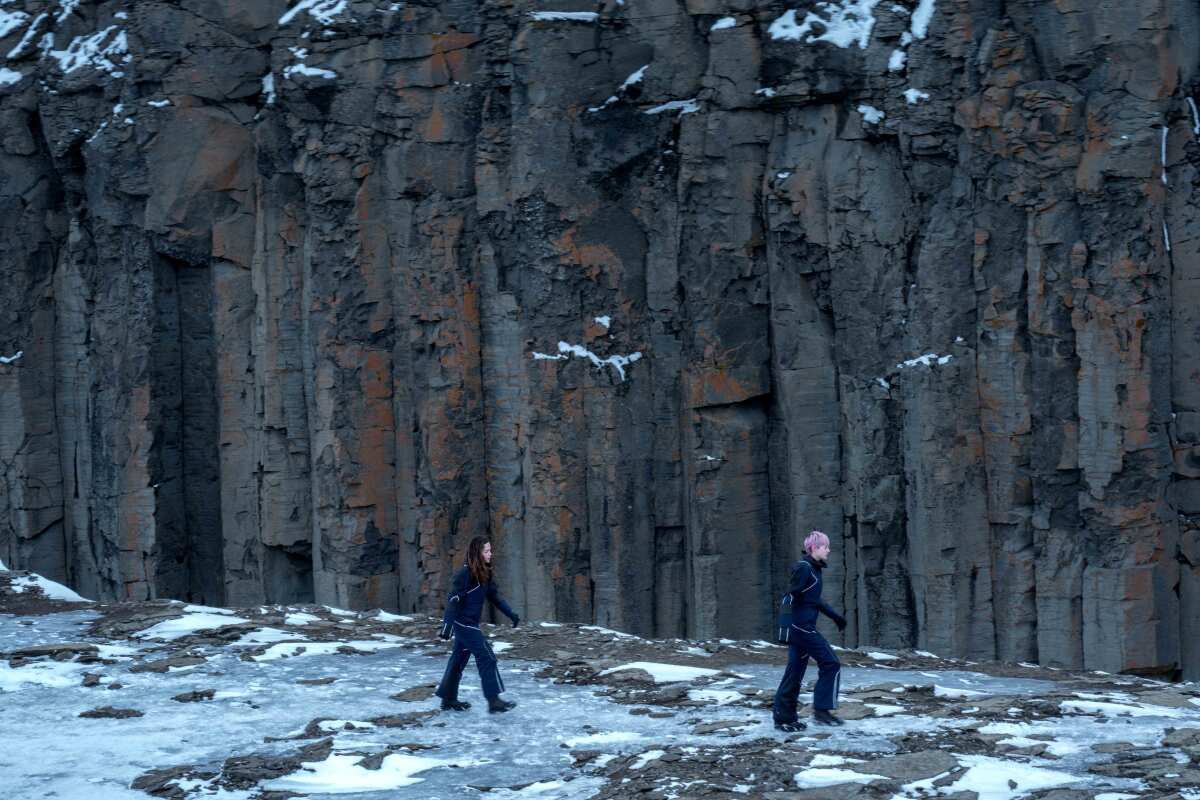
(804, 641)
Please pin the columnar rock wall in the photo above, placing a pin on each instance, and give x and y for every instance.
(306, 294)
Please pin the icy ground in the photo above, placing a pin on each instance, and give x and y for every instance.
(600, 714)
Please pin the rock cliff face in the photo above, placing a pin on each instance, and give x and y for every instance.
(307, 293)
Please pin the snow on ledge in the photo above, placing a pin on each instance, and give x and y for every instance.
(566, 350)
(30, 34)
(12, 358)
(927, 360)
(682, 106)
(565, 16)
(9, 76)
(194, 609)
(913, 96)
(921, 19)
(52, 590)
(268, 87)
(633, 79)
(871, 114)
(724, 23)
(323, 11)
(98, 50)
(665, 673)
(11, 21)
(843, 23)
(304, 69)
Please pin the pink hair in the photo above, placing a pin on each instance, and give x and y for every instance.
(815, 539)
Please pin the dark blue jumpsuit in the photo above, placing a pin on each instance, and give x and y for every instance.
(805, 641)
(463, 610)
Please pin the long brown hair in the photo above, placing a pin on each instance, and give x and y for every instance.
(481, 571)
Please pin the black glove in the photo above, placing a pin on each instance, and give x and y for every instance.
(444, 633)
(516, 620)
(840, 621)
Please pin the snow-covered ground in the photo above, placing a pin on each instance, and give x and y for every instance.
(385, 747)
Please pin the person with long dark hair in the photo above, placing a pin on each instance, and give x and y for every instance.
(804, 640)
(473, 583)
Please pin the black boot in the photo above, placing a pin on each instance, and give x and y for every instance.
(790, 727)
(496, 705)
(455, 705)
(824, 717)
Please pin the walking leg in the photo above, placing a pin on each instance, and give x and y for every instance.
(784, 709)
(489, 671)
(825, 695)
(448, 687)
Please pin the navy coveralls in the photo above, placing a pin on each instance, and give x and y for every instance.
(463, 610)
(805, 641)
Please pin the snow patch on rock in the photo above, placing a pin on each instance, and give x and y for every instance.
(102, 50)
(927, 360)
(842, 23)
(268, 87)
(323, 11)
(634, 78)
(682, 106)
(665, 673)
(871, 114)
(566, 350)
(11, 21)
(1001, 779)
(171, 629)
(27, 39)
(831, 776)
(565, 16)
(341, 774)
(52, 590)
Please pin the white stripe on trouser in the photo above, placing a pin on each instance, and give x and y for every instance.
(837, 685)
(495, 664)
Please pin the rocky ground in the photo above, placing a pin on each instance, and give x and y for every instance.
(276, 702)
